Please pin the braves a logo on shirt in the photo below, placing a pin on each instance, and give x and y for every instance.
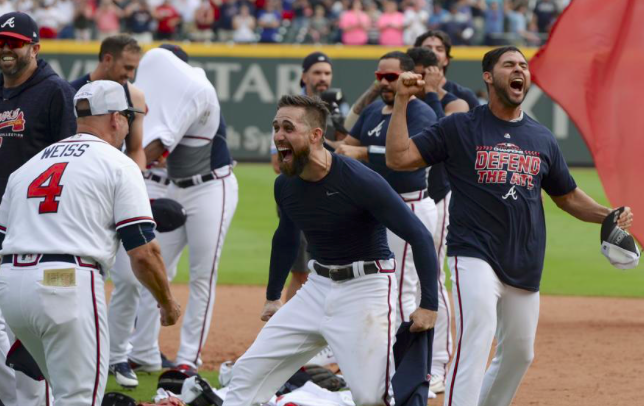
(14, 119)
(506, 162)
(376, 130)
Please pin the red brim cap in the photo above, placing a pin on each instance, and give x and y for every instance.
(15, 35)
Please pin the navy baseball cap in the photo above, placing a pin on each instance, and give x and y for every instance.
(19, 25)
(311, 60)
(177, 50)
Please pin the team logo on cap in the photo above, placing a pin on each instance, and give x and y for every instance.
(14, 119)
(10, 22)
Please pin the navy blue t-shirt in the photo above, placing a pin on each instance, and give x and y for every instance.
(437, 182)
(496, 170)
(371, 129)
(344, 218)
(462, 92)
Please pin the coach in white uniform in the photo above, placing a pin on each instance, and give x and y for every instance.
(61, 218)
(183, 118)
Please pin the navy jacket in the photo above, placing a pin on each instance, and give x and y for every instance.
(33, 116)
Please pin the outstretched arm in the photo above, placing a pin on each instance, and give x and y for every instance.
(578, 204)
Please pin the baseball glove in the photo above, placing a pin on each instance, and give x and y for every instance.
(324, 378)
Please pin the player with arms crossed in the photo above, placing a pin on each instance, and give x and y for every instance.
(349, 301)
(498, 159)
(82, 195)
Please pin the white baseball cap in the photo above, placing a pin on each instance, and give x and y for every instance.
(104, 96)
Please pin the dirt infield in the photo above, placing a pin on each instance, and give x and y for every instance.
(589, 351)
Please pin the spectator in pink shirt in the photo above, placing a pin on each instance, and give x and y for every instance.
(354, 24)
(391, 25)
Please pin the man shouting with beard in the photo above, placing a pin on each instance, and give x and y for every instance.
(350, 299)
(36, 111)
(497, 160)
(367, 144)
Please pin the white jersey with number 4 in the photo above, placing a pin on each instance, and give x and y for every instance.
(71, 198)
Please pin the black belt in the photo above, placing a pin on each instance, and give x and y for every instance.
(423, 195)
(158, 179)
(184, 183)
(191, 182)
(9, 259)
(344, 273)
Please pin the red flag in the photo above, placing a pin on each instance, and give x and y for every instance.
(592, 66)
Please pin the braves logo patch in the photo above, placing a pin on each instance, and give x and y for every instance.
(14, 119)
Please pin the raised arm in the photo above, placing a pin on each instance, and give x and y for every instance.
(402, 154)
(134, 140)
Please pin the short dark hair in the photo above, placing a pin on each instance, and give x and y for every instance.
(116, 44)
(441, 35)
(492, 57)
(406, 63)
(422, 56)
(316, 110)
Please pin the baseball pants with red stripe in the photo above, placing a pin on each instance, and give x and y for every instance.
(443, 344)
(406, 276)
(487, 308)
(355, 317)
(210, 207)
(63, 328)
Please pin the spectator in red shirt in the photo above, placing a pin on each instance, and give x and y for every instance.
(169, 19)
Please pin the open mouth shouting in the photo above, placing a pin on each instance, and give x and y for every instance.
(285, 153)
(517, 86)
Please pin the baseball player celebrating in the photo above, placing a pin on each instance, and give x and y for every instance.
(349, 300)
(366, 143)
(81, 195)
(183, 118)
(498, 160)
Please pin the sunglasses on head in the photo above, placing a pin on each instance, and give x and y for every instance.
(13, 43)
(390, 76)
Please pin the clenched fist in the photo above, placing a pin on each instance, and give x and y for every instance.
(270, 308)
(409, 84)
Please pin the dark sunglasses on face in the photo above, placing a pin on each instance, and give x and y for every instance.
(390, 76)
(13, 43)
(129, 115)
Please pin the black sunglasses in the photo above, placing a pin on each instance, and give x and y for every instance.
(129, 115)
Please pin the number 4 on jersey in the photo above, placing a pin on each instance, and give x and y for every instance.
(52, 189)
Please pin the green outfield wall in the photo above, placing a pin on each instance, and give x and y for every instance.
(250, 78)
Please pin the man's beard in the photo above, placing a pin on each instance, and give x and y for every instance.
(387, 101)
(505, 96)
(298, 162)
(19, 65)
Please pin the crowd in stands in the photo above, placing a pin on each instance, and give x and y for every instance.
(351, 22)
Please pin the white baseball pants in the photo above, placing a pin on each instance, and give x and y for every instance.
(487, 308)
(406, 276)
(63, 328)
(443, 344)
(16, 388)
(356, 319)
(122, 309)
(210, 207)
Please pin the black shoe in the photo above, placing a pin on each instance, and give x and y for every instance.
(166, 363)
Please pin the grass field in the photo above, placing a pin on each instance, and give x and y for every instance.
(574, 263)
